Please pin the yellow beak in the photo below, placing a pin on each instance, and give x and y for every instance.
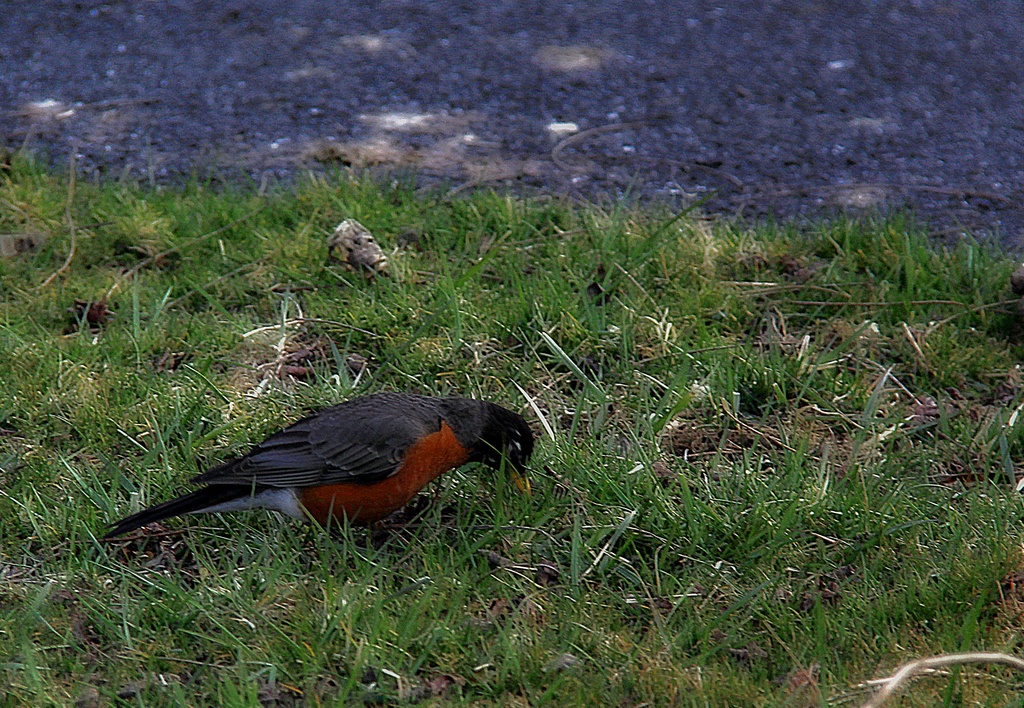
(521, 482)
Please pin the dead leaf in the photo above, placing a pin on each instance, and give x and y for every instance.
(96, 313)
(358, 248)
(159, 548)
(298, 364)
(843, 573)
(830, 587)
(499, 610)
(547, 574)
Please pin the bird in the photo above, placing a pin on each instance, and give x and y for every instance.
(359, 460)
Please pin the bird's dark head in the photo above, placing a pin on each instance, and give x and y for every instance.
(505, 439)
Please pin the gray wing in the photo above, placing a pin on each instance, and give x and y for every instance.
(346, 443)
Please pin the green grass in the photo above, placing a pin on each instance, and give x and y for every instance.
(776, 453)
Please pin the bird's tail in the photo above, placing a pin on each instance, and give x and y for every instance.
(199, 500)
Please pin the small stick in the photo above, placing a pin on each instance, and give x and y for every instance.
(911, 669)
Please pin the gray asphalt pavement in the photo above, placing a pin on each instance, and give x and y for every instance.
(793, 107)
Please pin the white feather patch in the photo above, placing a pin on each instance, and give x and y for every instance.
(282, 500)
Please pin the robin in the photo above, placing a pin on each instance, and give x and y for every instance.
(360, 460)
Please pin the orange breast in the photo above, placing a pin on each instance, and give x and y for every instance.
(366, 503)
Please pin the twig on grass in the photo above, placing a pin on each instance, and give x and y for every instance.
(71, 224)
(909, 670)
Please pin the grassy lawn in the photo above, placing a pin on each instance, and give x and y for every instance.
(773, 463)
